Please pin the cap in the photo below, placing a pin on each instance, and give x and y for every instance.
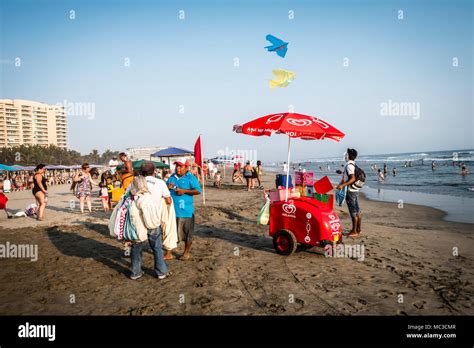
(182, 164)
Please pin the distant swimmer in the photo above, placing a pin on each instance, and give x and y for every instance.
(394, 171)
(385, 169)
(380, 176)
(433, 165)
(464, 170)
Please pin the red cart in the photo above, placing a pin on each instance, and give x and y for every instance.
(304, 220)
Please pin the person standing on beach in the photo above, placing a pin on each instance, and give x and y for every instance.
(183, 186)
(83, 182)
(248, 175)
(40, 190)
(113, 163)
(352, 196)
(7, 184)
(210, 167)
(259, 173)
(126, 173)
(3, 200)
(158, 191)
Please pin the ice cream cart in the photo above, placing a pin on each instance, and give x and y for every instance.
(303, 220)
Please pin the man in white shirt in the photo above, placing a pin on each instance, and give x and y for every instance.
(7, 185)
(210, 167)
(113, 163)
(158, 191)
(352, 196)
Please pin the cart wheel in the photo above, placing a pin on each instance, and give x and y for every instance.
(284, 242)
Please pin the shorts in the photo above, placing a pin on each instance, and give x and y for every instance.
(105, 198)
(352, 200)
(185, 229)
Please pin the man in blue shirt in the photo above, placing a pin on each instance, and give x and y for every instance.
(183, 186)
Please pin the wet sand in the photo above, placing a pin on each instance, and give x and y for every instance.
(234, 269)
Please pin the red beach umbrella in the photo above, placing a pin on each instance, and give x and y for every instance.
(294, 126)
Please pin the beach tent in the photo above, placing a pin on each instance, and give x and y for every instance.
(137, 164)
(172, 154)
(23, 168)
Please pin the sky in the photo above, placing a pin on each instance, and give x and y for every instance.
(160, 73)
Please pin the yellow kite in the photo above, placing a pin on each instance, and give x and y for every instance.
(282, 78)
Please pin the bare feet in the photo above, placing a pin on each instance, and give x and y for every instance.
(185, 257)
(353, 234)
(168, 255)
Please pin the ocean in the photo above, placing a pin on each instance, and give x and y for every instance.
(415, 182)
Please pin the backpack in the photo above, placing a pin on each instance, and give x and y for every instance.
(359, 175)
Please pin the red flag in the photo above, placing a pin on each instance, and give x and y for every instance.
(197, 152)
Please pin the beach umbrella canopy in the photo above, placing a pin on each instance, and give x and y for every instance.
(138, 164)
(7, 168)
(294, 126)
(172, 152)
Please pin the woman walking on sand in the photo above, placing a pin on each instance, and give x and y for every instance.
(83, 182)
(259, 173)
(40, 190)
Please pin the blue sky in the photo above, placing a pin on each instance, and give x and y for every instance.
(190, 62)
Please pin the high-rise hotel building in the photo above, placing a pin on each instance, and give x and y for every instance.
(26, 122)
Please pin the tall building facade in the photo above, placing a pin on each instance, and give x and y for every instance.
(26, 122)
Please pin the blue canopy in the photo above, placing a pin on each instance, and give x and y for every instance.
(172, 151)
(7, 168)
(23, 168)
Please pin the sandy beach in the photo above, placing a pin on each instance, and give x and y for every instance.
(234, 269)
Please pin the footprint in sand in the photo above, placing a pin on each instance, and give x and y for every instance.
(419, 304)
(383, 293)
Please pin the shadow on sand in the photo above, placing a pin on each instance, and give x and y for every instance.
(73, 244)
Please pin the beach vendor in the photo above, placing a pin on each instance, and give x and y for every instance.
(126, 173)
(160, 195)
(352, 196)
(183, 186)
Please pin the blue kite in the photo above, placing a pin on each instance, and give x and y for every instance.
(278, 46)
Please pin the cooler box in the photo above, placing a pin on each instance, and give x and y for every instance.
(281, 180)
(327, 199)
(117, 193)
(323, 185)
(279, 195)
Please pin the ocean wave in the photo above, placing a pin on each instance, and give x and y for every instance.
(419, 154)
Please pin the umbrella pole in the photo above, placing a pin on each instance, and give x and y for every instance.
(288, 169)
